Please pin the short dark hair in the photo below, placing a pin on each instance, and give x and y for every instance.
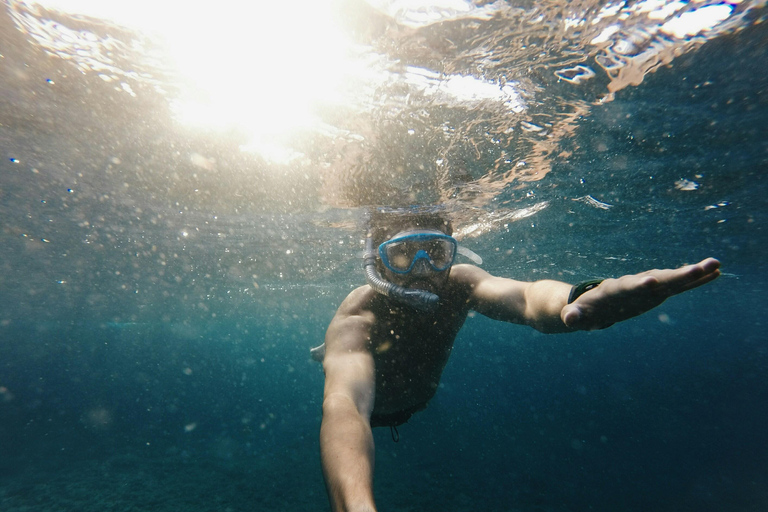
(383, 225)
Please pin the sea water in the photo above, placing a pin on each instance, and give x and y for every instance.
(162, 283)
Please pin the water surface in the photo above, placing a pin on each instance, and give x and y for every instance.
(181, 207)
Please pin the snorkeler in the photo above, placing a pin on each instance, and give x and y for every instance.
(388, 343)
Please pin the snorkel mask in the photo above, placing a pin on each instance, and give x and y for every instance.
(401, 254)
(418, 299)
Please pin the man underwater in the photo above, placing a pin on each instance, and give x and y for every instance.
(390, 340)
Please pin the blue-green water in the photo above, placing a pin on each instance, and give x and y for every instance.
(156, 315)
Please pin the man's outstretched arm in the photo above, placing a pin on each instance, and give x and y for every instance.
(346, 441)
(543, 304)
(619, 299)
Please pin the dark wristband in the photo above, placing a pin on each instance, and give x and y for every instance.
(580, 289)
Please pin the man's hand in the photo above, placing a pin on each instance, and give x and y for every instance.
(628, 296)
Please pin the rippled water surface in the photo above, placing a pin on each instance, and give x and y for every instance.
(181, 195)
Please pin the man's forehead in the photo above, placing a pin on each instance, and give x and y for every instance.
(387, 227)
(416, 231)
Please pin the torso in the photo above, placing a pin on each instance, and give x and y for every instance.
(410, 351)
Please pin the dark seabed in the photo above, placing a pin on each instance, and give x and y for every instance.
(160, 287)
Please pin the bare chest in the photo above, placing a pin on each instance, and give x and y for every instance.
(410, 355)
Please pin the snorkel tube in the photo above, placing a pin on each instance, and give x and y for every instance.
(417, 299)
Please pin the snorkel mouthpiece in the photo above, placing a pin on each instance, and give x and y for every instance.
(417, 299)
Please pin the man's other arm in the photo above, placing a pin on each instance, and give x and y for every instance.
(537, 304)
(544, 304)
(346, 441)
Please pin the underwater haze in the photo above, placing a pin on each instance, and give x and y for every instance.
(182, 195)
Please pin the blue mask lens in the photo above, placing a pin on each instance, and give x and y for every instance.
(400, 254)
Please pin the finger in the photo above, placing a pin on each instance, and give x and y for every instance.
(571, 315)
(701, 281)
(710, 264)
(649, 282)
(704, 267)
(700, 273)
(690, 276)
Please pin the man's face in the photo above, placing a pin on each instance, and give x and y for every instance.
(418, 258)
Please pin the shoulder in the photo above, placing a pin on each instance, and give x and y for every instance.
(482, 289)
(351, 325)
(463, 281)
(358, 302)
(468, 277)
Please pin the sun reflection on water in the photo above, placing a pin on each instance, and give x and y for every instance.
(256, 67)
(406, 101)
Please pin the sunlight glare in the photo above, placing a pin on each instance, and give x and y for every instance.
(262, 68)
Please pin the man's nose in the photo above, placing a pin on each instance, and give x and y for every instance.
(421, 267)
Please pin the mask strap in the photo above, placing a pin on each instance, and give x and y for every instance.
(469, 253)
